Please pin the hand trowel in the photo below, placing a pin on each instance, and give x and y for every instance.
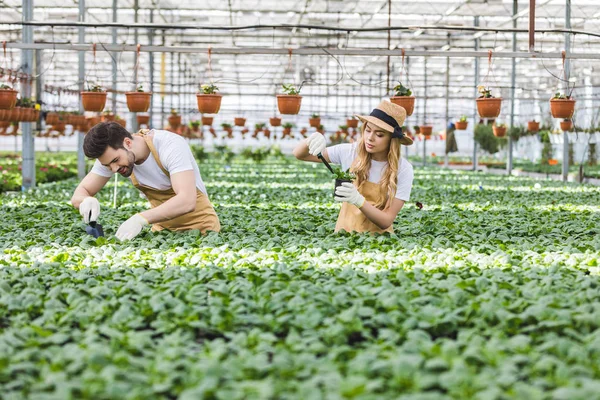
(94, 228)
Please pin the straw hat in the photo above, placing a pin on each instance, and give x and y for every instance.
(389, 117)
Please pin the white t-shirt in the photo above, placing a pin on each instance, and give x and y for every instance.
(175, 156)
(344, 155)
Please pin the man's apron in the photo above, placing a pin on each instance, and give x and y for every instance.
(203, 218)
(352, 219)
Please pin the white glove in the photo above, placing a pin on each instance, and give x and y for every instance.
(349, 193)
(87, 206)
(132, 227)
(316, 144)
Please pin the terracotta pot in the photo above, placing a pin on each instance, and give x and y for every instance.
(138, 101)
(314, 122)
(275, 121)
(15, 114)
(36, 115)
(287, 131)
(566, 126)
(352, 123)
(59, 127)
(407, 102)
(121, 122)
(93, 101)
(209, 103)
(499, 131)
(533, 126)
(8, 99)
(92, 121)
(108, 117)
(27, 114)
(426, 130)
(562, 108)
(461, 125)
(208, 121)
(143, 119)
(4, 115)
(489, 108)
(239, 121)
(174, 120)
(289, 104)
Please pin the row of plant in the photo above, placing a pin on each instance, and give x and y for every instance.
(50, 167)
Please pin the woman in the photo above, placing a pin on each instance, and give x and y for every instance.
(383, 179)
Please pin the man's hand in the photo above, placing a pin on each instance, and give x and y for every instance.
(89, 209)
(349, 193)
(316, 144)
(131, 228)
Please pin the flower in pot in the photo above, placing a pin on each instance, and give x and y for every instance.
(562, 106)
(239, 121)
(352, 122)
(209, 101)
(94, 99)
(227, 128)
(138, 101)
(143, 119)
(488, 106)
(404, 98)
(533, 126)
(287, 129)
(566, 125)
(108, 116)
(315, 120)
(174, 119)
(341, 177)
(462, 123)
(417, 129)
(344, 128)
(275, 121)
(499, 130)
(195, 126)
(321, 129)
(426, 130)
(208, 121)
(8, 97)
(289, 103)
(267, 133)
(258, 127)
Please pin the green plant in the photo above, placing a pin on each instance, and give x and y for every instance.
(500, 124)
(288, 125)
(484, 92)
(290, 89)
(225, 125)
(517, 132)
(484, 136)
(209, 89)
(259, 126)
(560, 96)
(313, 116)
(174, 111)
(4, 86)
(463, 118)
(95, 88)
(343, 175)
(194, 124)
(343, 127)
(140, 88)
(401, 90)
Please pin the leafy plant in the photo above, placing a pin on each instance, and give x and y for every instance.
(484, 136)
(95, 88)
(560, 96)
(174, 112)
(225, 125)
(401, 90)
(4, 86)
(209, 89)
(463, 118)
(140, 88)
(484, 92)
(290, 89)
(313, 116)
(288, 125)
(194, 124)
(259, 126)
(343, 175)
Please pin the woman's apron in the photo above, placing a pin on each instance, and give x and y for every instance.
(203, 218)
(352, 219)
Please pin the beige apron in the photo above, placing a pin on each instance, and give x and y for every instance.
(352, 219)
(203, 218)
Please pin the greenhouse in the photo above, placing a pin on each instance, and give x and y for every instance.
(314, 199)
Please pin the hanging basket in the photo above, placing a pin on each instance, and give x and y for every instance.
(490, 107)
(15, 114)
(8, 99)
(289, 104)
(461, 125)
(533, 126)
(314, 122)
(239, 121)
(499, 131)
(287, 132)
(143, 119)
(174, 120)
(4, 115)
(209, 103)
(52, 118)
(138, 101)
(208, 121)
(426, 130)
(275, 121)
(352, 123)
(562, 108)
(93, 101)
(566, 125)
(406, 102)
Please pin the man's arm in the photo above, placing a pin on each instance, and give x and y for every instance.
(88, 187)
(184, 201)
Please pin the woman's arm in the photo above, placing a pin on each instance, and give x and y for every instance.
(382, 218)
(301, 151)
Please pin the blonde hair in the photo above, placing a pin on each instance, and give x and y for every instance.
(389, 179)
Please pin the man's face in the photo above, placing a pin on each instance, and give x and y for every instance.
(119, 160)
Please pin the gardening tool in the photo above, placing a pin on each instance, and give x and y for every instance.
(94, 228)
(325, 162)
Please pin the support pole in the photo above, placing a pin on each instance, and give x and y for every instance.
(447, 115)
(151, 69)
(133, 118)
(565, 163)
(476, 114)
(80, 135)
(28, 147)
(531, 25)
(114, 60)
(425, 109)
(509, 163)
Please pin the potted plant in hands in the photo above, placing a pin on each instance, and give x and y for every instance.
(562, 106)
(341, 177)
(499, 130)
(404, 98)
(352, 122)
(314, 121)
(287, 129)
(174, 119)
(94, 99)
(533, 126)
(488, 106)
(138, 101)
(8, 97)
(275, 121)
(462, 123)
(566, 125)
(209, 101)
(289, 103)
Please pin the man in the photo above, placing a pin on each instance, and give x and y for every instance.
(161, 165)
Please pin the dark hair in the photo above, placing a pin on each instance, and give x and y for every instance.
(103, 135)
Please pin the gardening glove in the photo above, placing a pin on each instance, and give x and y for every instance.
(89, 209)
(132, 227)
(349, 193)
(316, 144)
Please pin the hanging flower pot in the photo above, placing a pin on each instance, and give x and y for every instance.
(267, 133)
(426, 130)
(27, 114)
(562, 106)
(314, 121)
(275, 121)
(352, 122)
(489, 107)
(174, 119)
(208, 121)
(287, 129)
(94, 100)
(8, 97)
(15, 114)
(289, 103)
(499, 130)
(462, 123)
(195, 126)
(59, 127)
(4, 115)
(209, 102)
(566, 125)
(408, 103)
(138, 101)
(239, 121)
(227, 128)
(143, 119)
(533, 126)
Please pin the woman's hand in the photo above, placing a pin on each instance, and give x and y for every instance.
(349, 193)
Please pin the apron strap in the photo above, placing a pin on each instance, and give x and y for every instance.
(144, 134)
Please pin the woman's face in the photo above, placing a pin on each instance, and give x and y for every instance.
(377, 141)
